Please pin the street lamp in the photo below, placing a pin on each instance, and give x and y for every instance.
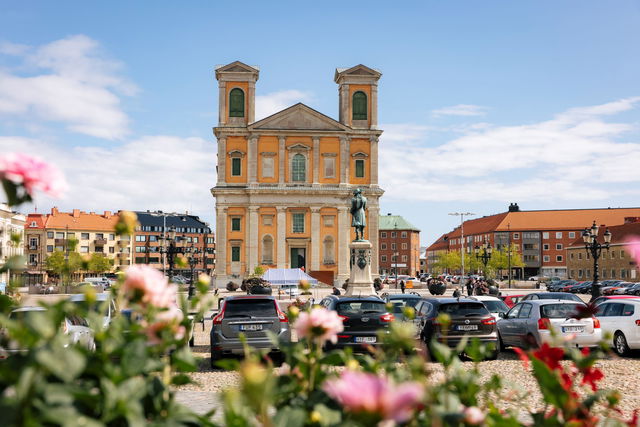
(462, 243)
(194, 253)
(593, 247)
(485, 255)
(172, 250)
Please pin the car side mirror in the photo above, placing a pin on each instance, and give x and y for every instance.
(502, 315)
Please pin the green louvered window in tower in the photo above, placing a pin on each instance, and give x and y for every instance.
(359, 168)
(298, 167)
(236, 103)
(359, 106)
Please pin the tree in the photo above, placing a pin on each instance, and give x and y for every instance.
(500, 258)
(99, 263)
(58, 264)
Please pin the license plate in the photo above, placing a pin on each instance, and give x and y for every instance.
(573, 329)
(250, 327)
(365, 339)
(467, 327)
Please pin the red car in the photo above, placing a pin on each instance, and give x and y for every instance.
(511, 300)
(602, 299)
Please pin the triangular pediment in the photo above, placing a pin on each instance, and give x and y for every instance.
(298, 117)
(236, 67)
(359, 70)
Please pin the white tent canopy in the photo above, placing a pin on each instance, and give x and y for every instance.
(287, 276)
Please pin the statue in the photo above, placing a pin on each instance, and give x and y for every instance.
(358, 219)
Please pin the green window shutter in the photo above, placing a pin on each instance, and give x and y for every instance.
(359, 168)
(298, 173)
(236, 166)
(235, 224)
(359, 106)
(235, 253)
(236, 103)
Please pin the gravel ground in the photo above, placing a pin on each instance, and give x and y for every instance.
(621, 374)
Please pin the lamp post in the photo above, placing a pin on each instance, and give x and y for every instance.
(462, 242)
(194, 258)
(485, 255)
(593, 247)
(396, 253)
(172, 250)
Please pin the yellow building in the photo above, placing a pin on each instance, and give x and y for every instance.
(285, 182)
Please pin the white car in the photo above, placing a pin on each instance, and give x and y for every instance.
(621, 318)
(100, 300)
(494, 305)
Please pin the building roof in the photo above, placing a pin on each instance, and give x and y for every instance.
(441, 243)
(39, 219)
(157, 219)
(80, 220)
(485, 224)
(569, 219)
(395, 222)
(620, 234)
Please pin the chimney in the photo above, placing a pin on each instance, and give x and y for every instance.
(76, 213)
(107, 214)
(54, 211)
(513, 207)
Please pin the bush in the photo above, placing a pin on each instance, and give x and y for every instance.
(231, 287)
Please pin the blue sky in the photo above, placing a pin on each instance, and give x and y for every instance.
(482, 103)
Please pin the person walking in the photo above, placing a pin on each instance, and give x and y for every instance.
(469, 287)
(456, 293)
(402, 286)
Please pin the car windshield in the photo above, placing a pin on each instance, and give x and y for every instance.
(559, 311)
(496, 306)
(562, 296)
(360, 307)
(409, 302)
(463, 309)
(250, 308)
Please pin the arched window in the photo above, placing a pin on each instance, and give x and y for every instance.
(298, 166)
(329, 257)
(236, 103)
(267, 250)
(359, 106)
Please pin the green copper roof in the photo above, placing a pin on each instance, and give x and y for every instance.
(395, 222)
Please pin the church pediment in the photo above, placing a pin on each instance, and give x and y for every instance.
(298, 117)
(237, 67)
(361, 71)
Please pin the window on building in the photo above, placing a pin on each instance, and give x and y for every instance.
(579, 255)
(572, 234)
(359, 168)
(545, 235)
(153, 238)
(558, 258)
(99, 249)
(112, 249)
(545, 247)
(604, 274)
(84, 236)
(33, 242)
(580, 273)
(267, 167)
(329, 252)
(516, 236)
(404, 258)
(236, 166)
(623, 273)
(188, 239)
(558, 246)
(99, 236)
(59, 235)
(33, 259)
(236, 103)
(49, 248)
(359, 105)
(613, 254)
(328, 220)
(613, 273)
(383, 235)
(141, 238)
(383, 246)
(267, 250)
(267, 220)
(235, 254)
(329, 167)
(298, 222)
(393, 234)
(558, 234)
(298, 168)
(235, 224)
(403, 234)
(404, 246)
(383, 258)
(50, 234)
(571, 255)
(393, 246)
(112, 237)
(209, 240)
(546, 258)
(572, 273)
(141, 249)
(71, 235)
(84, 249)
(587, 273)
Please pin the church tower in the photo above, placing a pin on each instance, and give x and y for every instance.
(237, 94)
(358, 96)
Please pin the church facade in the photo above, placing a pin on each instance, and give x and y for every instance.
(285, 182)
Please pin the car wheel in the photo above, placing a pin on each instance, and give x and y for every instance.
(215, 356)
(530, 342)
(620, 345)
(501, 345)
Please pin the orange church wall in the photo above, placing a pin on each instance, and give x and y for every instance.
(238, 143)
(329, 231)
(330, 145)
(245, 88)
(360, 146)
(236, 235)
(366, 89)
(268, 144)
(268, 229)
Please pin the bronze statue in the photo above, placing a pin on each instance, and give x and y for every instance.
(358, 219)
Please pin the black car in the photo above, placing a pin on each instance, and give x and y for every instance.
(557, 286)
(363, 317)
(400, 301)
(469, 318)
(551, 295)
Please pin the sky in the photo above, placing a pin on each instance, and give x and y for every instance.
(482, 103)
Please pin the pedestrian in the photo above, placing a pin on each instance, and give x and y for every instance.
(456, 293)
(335, 291)
(402, 286)
(469, 287)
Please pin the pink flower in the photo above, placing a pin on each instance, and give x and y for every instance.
(149, 286)
(473, 415)
(633, 247)
(320, 325)
(166, 320)
(32, 173)
(373, 394)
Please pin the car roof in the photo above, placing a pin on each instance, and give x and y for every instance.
(29, 308)
(486, 298)
(241, 297)
(549, 301)
(404, 296)
(620, 296)
(450, 300)
(355, 298)
(80, 297)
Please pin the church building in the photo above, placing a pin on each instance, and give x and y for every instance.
(285, 182)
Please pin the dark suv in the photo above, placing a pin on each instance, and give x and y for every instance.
(251, 315)
(363, 317)
(469, 318)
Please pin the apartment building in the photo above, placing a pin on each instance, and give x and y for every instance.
(399, 246)
(10, 223)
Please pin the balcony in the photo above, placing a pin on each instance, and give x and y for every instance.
(60, 242)
(123, 255)
(124, 242)
(100, 242)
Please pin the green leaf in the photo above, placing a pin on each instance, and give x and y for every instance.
(289, 416)
(134, 358)
(183, 360)
(328, 416)
(181, 379)
(64, 363)
(549, 383)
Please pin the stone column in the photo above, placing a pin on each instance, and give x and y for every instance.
(373, 166)
(222, 160)
(316, 160)
(344, 105)
(281, 224)
(221, 246)
(252, 243)
(344, 234)
(222, 103)
(374, 106)
(345, 157)
(315, 238)
(251, 101)
(373, 226)
(252, 160)
(281, 159)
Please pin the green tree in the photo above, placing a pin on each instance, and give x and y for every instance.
(500, 258)
(99, 263)
(58, 264)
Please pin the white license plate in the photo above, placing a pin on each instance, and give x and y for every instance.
(573, 329)
(467, 327)
(365, 339)
(250, 327)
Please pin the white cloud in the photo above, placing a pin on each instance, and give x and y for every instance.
(461, 110)
(271, 103)
(153, 172)
(574, 156)
(8, 48)
(75, 84)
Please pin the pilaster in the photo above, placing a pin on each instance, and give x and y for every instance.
(281, 224)
(316, 160)
(222, 160)
(252, 160)
(374, 106)
(315, 238)
(252, 243)
(344, 104)
(222, 103)
(345, 157)
(344, 234)
(221, 245)
(374, 162)
(281, 159)
(251, 109)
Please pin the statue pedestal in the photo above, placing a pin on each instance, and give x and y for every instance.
(360, 282)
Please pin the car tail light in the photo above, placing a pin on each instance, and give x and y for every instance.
(217, 319)
(343, 336)
(596, 323)
(387, 317)
(283, 317)
(343, 318)
(543, 323)
(637, 322)
(488, 321)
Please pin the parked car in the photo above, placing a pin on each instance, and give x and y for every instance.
(511, 300)
(400, 301)
(494, 304)
(602, 299)
(619, 289)
(529, 324)
(581, 288)
(534, 278)
(363, 318)
(469, 318)
(633, 290)
(551, 295)
(557, 286)
(251, 315)
(621, 319)
(103, 302)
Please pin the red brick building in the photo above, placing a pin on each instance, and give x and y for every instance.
(399, 246)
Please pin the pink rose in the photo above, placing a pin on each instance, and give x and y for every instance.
(373, 394)
(633, 247)
(320, 325)
(166, 320)
(473, 415)
(149, 286)
(32, 173)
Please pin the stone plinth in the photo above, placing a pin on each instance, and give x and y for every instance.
(360, 282)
